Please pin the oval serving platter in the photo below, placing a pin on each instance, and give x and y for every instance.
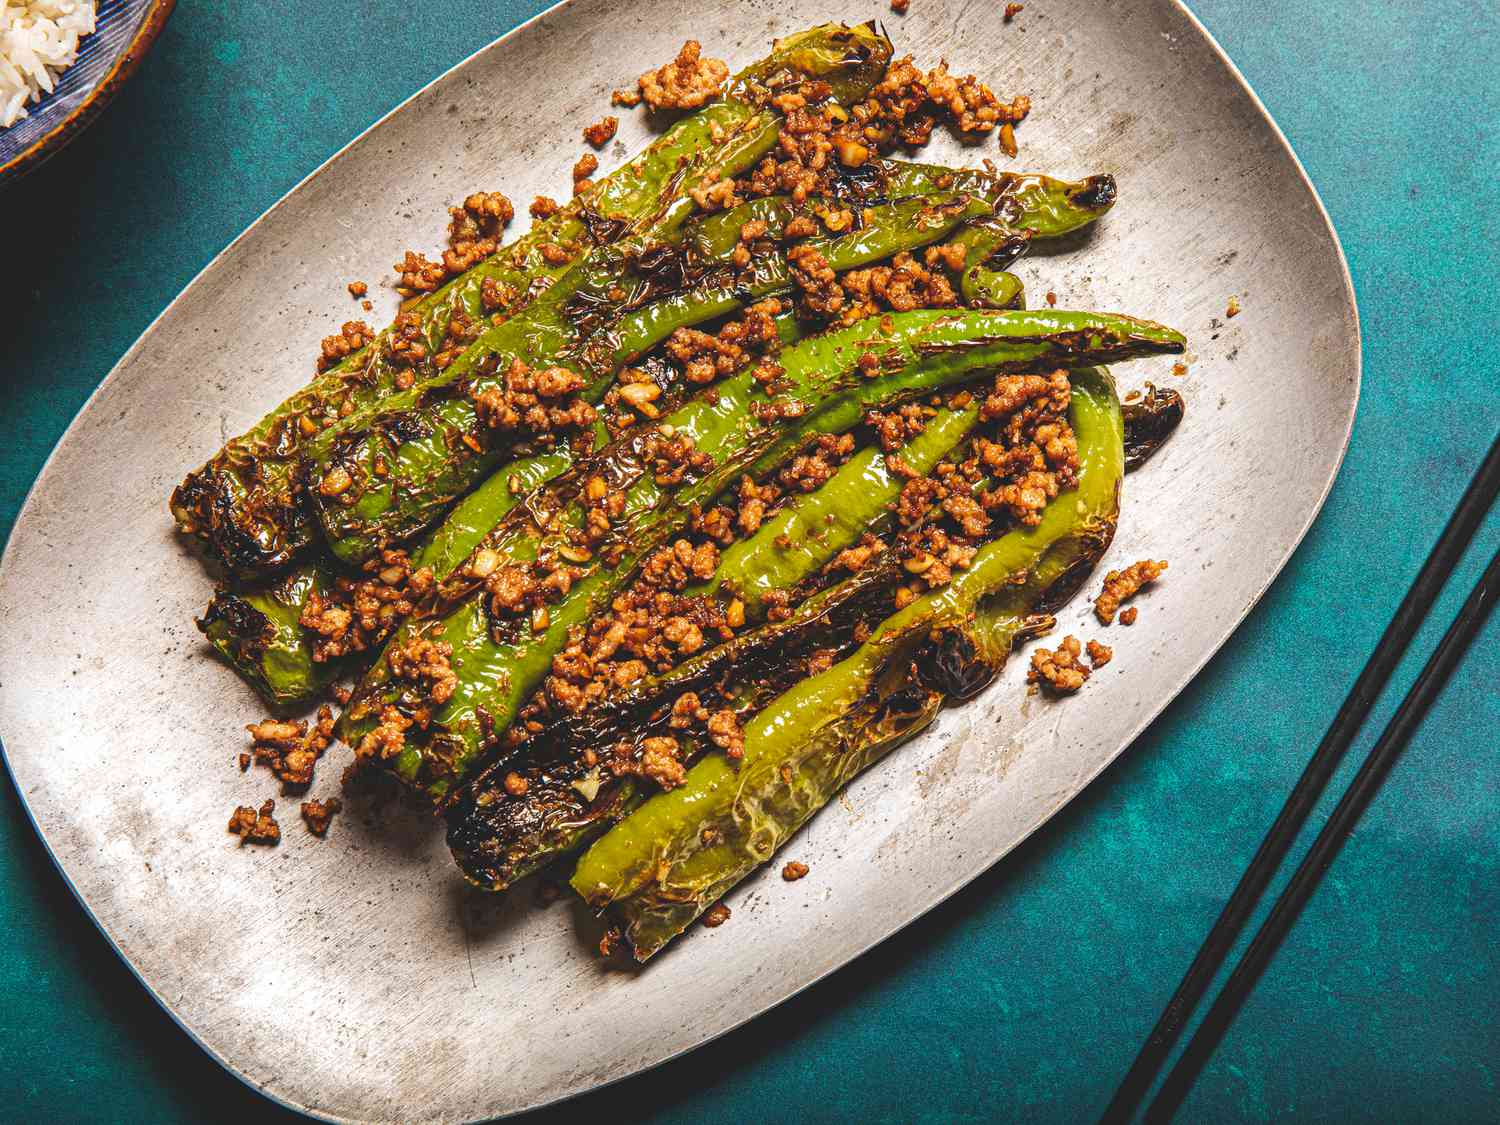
(356, 978)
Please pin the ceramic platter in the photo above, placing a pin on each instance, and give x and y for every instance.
(356, 978)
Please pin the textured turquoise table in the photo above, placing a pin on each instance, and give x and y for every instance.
(1028, 994)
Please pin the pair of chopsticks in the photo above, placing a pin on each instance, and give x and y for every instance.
(1398, 635)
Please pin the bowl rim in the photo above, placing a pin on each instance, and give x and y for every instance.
(125, 64)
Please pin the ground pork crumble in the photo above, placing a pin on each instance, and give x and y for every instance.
(539, 404)
(794, 870)
(388, 738)
(1027, 452)
(358, 614)
(355, 334)
(658, 758)
(474, 231)
(716, 916)
(687, 82)
(1122, 585)
(291, 749)
(722, 726)
(318, 815)
(1061, 671)
(254, 827)
(425, 664)
(650, 626)
(601, 132)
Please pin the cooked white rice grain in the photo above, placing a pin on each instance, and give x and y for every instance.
(38, 41)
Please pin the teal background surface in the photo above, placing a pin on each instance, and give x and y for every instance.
(1027, 995)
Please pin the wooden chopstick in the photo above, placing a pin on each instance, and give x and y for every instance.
(1357, 798)
(1450, 547)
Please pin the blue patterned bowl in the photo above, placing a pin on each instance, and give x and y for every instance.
(125, 30)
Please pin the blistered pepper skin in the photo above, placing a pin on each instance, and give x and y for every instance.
(920, 352)
(680, 851)
(242, 504)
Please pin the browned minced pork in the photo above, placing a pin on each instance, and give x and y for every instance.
(816, 134)
(815, 280)
(1128, 616)
(1037, 454)
(474, 230)
(906, 104)
(543, 207)
(725, 732)
(426, 664)
(1059, 671)
(673, 458)
(418, 273)
(900, 7)
(387, 739)
(358, 289)
(659, 759)
(319, 814)
(716, 916)
(754, 500)
(715, 192)
(1008, 140)
(539, 403)
(354, 335)
(290, 749)
(357, 614)
(856, 558)
(932, 554)
(896, 427)
(811, 470)
(255, 827)
(901, 286)
(405, 345)
(587, 165)
(1099, 654)
(601, 132)
(649, 626)
(794, 870)
(686, 82)
(1122, 585)
(627, 98)
(705, 357)
(1012, 11)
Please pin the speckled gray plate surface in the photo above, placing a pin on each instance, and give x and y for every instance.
(356, 978)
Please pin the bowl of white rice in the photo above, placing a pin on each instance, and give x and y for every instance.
(60, 63)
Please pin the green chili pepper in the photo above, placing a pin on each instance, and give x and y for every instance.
(919, 352)
(681, 850)
(258, 634)
(812, 529)
(242, 503)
